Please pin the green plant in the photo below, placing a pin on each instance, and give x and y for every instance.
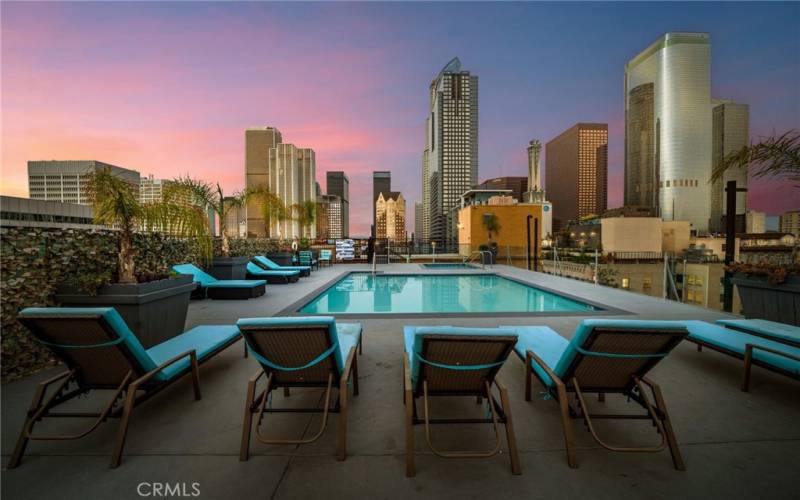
(273, 209)
(775, 273)
(607, 277)
(492, 224)
(305, 214)
(775, 156)
(116, 204)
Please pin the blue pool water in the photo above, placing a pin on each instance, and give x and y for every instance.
(363, 293)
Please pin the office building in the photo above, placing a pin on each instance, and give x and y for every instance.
(329, 217)
(381, 183)
(668, 128)
(337, 183)
(517, 185)
(235, 219)
(755, 222)
(730, 133)
(576, 163)
(258, 142)
(535, 188)
(418, 221)
(26, 212)
(151, 190)
(450, 158)
(390, 212)
(66, 180)
(292, 171)
(789, 222)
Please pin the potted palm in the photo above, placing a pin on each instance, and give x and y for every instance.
(492, 225)
(153, 305)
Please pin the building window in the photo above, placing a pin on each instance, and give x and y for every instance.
(626, 283)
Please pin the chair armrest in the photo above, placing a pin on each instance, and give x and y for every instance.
(348, 365)
(147, 376)
(752, 347)
(556, 380)
(407, 373)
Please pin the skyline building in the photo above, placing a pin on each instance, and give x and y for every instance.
(381, 183)
(535, 189)
(329, 217)
(450, 157)
(418, 222)
(337, 183)
(390, 210)
(730, 132)
(292, 171)
(517, 185)
(668, 128)
(258, 142)
(151, 189)
(65, 180)
(576, 164)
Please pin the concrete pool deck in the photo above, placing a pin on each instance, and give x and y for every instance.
(735, 444)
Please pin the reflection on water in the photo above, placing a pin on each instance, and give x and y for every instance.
(481, 293)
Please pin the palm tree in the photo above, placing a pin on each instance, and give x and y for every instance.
(272, 207)
(492, 224)
(305, 213)
(776, 156)
(115, 204)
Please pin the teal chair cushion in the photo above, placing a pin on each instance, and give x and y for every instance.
(255, 270)
(777, 331)
(413, 338)
(325, 255)
(545, 342)
(275, 267)
(346, 335)
(236, 284)
(736, 342)
(200, 276)
(204, 339)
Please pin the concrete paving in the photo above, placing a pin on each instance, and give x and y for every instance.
(735, 444)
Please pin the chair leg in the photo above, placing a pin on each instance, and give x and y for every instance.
(748, 368)
(361, 344)
(528, 375)
(27, 427)
(286, 392)
(510, 436)
(355, 376)
(247, 424)
(122, 433)
(195, 376)
(410, 469)
(342, 419)
(672, 442)
(563, 403)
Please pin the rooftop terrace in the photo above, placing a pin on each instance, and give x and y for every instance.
(735, 444)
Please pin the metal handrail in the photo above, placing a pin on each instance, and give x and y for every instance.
(468, 260)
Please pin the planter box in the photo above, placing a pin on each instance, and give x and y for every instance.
(281, 258)
(154, 311)
(229, 268)
(763, 300)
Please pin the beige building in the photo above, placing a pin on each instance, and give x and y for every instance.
(151, 190)
(789, 222)
(65, 180)
(576, 165)
(329, 217)
(730, 132)
(390, 216)
(291, 178)
(235, 220)
(258, 142)
(755, 222)
(643, 235)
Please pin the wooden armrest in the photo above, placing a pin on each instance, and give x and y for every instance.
(348, 365)
(532, 355)
(147, 376)
(407, 372)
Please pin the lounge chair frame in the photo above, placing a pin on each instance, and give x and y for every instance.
(748, 358)
(134, 388)
(256, 403)
(446, 382)
(636, 389)
(274, 279)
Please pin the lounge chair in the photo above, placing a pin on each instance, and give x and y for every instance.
(267, 264)
(274, 277)
(213, 288)
(306, 258)
(101, 353)
(775, 356)
(779, 332)
(325, 257)
(603, 357)
(449, 361)
(300, 352)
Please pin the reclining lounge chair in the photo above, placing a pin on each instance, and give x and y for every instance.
(325, 257)
(266, 263)
(449, 361)
(779, 332)
(778, 357)
(306, 258)
(213, 288)
(101, 353)
(300, 352)
(254, 272)
(604, 357)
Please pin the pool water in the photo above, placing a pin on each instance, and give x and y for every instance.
(364, 293)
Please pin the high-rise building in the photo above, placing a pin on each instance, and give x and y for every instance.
(381, 183)
(730, 132)
(755, 222)
(668, 128)
(235, 219)
(450, 158)
(390, 210)
(576, 164)
(151, 190)
(425, 234)
(535, 189)
(329, 217)
(338, 184)
(517, 185)
(258, 142)
(292, 171)
(789, 222)
(65, 180)
(418, 221)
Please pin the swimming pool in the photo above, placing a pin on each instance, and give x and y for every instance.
(449, 265)
(364, 293)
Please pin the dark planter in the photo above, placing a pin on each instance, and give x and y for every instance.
(764, 300)
(229, 268)
(155, 311)
(281, 258)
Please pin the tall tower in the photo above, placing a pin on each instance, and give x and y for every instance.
(668, 128)
(257, 143)
(450, 158)
(337, 183)
(535, 191)
(730, 132)
(381, 183)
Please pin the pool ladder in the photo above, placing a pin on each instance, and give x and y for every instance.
(468, 260)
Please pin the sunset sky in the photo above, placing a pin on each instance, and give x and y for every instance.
(168, 88)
